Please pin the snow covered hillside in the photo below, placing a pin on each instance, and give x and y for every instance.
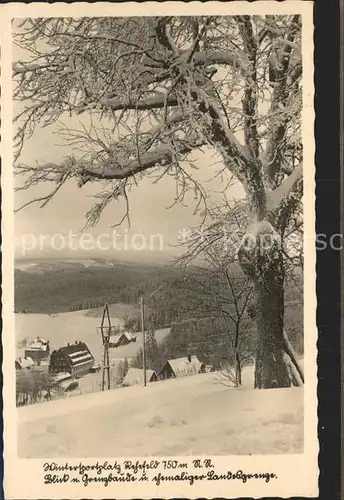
(190, 415)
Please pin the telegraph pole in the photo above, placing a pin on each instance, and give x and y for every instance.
(106, 332)
(144, 333)
(143, 340)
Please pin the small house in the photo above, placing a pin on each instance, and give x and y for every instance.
(38, 350)
(121, 339)
(164, 370)
(75, 359)
(190, 365)
(24, 363)
(135, 376)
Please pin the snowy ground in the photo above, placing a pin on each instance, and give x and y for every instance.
(72, 326)
(190, 415)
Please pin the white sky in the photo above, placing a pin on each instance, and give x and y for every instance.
(149, 204)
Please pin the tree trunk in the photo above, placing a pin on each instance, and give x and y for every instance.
(271, 368)
(238, 370)
(262, 261)
(290, 351)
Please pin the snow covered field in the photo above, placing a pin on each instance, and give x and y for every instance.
(190, 415)
(71, 326)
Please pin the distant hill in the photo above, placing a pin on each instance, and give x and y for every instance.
(55, 286)
(67, 285)
(39, 266)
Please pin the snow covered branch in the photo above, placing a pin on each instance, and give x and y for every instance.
(284, 199)
(165, 73)
(285, 71)
(109, 169)
(250, 98)
(153, 102)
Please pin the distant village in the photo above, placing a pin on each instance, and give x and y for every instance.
(43, 374)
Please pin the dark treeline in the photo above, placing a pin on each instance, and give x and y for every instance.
(75, 288)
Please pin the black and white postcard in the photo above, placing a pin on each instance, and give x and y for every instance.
(159, 305)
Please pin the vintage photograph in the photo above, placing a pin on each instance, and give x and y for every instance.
(158, 165)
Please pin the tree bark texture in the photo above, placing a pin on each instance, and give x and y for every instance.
(261, 258)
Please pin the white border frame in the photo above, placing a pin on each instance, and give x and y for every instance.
(297, 475)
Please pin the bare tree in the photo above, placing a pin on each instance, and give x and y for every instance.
(157, 89)
(216, 245)
(220, 290)
(31, 385)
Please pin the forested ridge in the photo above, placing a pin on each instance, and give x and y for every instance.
(194, 329)
(77, 288)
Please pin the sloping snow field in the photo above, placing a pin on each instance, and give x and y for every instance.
(186, 416)
(71, 326)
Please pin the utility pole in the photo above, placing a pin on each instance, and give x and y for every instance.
(143, 340)
(106, 332)
(144, 333)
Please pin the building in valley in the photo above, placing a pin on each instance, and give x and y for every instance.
(38, 350)
(75, 359)
(181, 367)
(135, 376)
(163, 370)
(121, 339)
(24, 363)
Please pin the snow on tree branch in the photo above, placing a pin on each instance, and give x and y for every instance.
(285, 189)
(216, 74)
(285, 71)
(250, 98)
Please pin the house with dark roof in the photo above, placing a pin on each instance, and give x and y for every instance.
(75, 359)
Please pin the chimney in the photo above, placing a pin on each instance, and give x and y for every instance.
(189, 358)
(68, 344)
